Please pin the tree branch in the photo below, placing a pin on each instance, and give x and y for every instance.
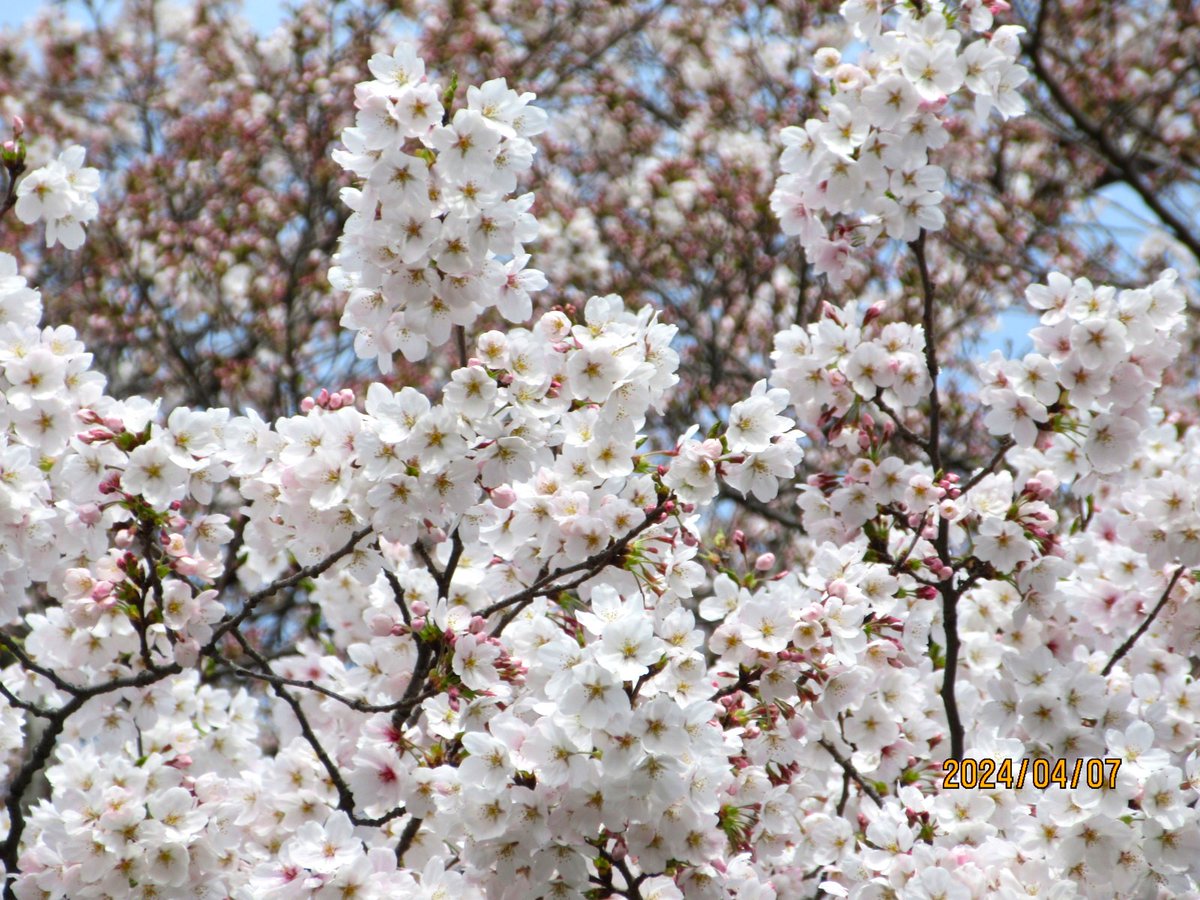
(1103, 146)
(848, 768)
(931, 358)
(1145, 626)
(262, 594)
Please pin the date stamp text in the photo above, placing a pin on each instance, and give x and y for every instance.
(989, 774)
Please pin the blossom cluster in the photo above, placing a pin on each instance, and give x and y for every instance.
(60, 192)
(869, 157)
(1098, 356)
(482, 641)
(435, 237)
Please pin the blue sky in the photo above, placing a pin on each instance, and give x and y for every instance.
(263, 14)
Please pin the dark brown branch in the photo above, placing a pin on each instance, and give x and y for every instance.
(593, 564)
(848, 768)
(901, 429)
(1005, 445)
(14, 171)
(406, 838)
(1144, 627)
(933, 447)
(1104, 146)
(262, 594)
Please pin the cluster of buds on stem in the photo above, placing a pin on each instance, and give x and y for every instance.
(326, 400)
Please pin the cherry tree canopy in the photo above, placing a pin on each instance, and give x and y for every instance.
(538, 452)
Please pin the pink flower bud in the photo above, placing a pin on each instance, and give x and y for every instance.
(765, 562)
(420, 608)
(418, 623)
(101, 591)
(477, 625)
(89, 513)
(188, 566)
(335, 401)
(307, 404)
(18, 126)
(503, 497)
(381, 625)
(187, 654)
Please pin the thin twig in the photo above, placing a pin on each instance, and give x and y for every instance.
(1105, 147)
(259, 596)
(1144, 627)
(1005, 445)
(901, 429)
(593, 564)
(848, 768)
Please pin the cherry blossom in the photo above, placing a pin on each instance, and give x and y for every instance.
(486, 634)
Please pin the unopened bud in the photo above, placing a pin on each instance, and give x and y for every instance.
(503, 497)
(381, 625)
